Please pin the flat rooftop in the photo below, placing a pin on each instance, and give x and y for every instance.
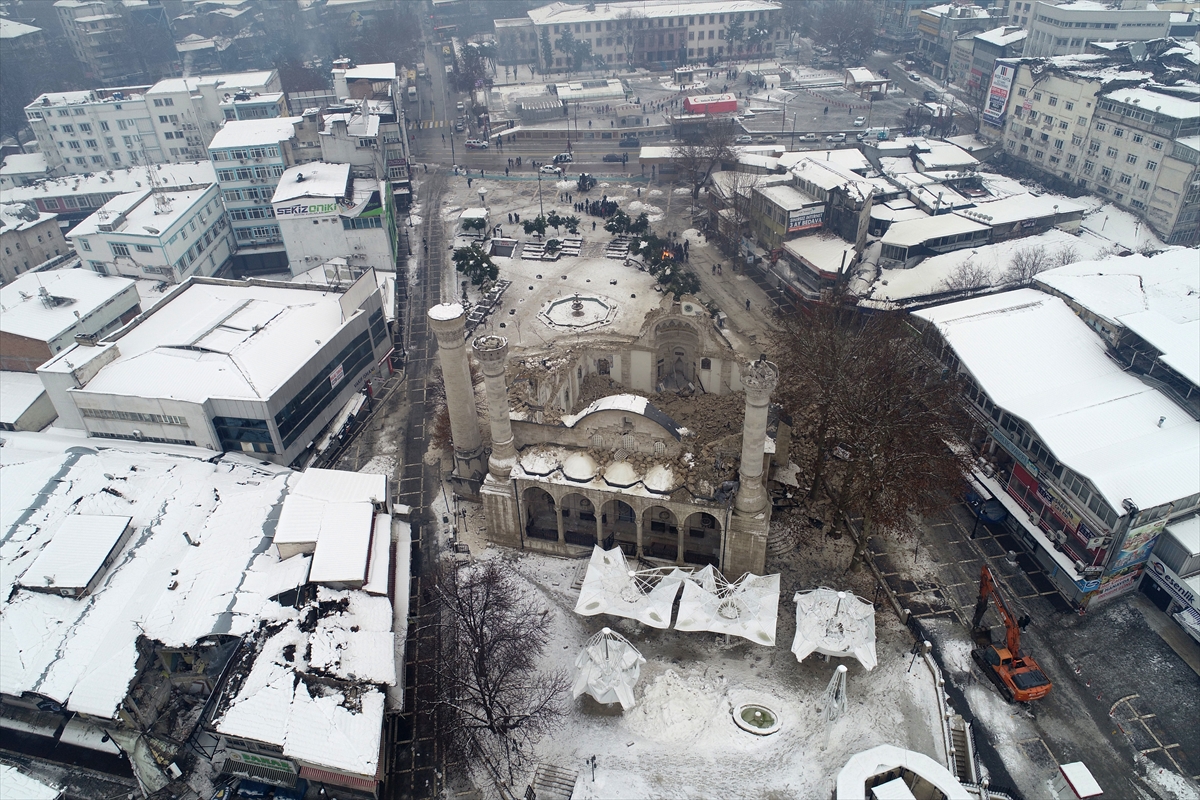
(139, 213)
(23, 313)
(1095, 418)
(232, 81)
(76, 552)
(191, 173)
(559, 13)
(917, 231)
(18, 391)
(315, 179)
(233, 340)
(247, 133)
(1165, 104)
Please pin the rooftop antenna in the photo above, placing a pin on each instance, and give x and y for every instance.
(162, 202)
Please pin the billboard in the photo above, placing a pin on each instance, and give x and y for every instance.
(997, 97)
(805, 218)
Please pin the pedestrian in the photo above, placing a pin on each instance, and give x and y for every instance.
(639, 191)
(714, 269)
(481, 173)
(593, 224)
(510, 218)
(443, 139)
(469, 182)
(747, 303)
(506, 172)
(517, 217)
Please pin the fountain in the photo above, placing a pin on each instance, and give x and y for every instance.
(577, 306)
(578, 312)
(756, 718)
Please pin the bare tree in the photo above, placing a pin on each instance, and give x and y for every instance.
(625, 36)
(697, 159)
(1067, 254)
(740, 188)
(847, 30)
(966, 275)
(1026, 263)
(875, 419)
(499, 701)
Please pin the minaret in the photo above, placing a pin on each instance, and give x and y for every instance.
(758, 379)
(448, 321)
(492, 352)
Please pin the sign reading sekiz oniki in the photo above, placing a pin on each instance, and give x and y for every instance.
(305, 209)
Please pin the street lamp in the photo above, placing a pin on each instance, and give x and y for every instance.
(783, 122)
(541, 211)
(793, 131)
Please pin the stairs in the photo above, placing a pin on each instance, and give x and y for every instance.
(553, 783)
(618, 248)
(780, 542)
(964, 750)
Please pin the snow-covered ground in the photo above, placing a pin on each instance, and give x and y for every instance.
(680, 739)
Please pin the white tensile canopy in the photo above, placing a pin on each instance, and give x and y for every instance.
(611, 587)
(835, 624)
(608, 669)
(748, 607)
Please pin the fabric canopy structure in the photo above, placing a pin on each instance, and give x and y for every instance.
(608, 669)
(748, 608)
(611, 587)
(836, 624)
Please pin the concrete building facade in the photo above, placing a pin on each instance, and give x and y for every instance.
(1059, 29)
(28, 237)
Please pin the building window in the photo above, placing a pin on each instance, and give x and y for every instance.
(1100, 126)
(1151, 166)
(1131, 159)
(1053, 101)
(1118, 132)
(1137, 138)
(1111, 152)
(1022, 92)
(1143, 185)
(85, 245)
(119, 248)
(1157, 145)
(1126, 179)
(143, 248)
(1068, 105)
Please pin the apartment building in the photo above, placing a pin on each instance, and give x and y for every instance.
(157, 233)
(939, 27)
(97, 34)
(898, 23)
(655, 32)
(1138, 146)
(249, 157)
(28, 237)
(169, 122)
(985, 48)
(1057, 29)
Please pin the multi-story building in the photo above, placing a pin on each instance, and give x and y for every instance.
(898, 23)
(96, 130)
(1057, 29)
(778, 213)
(323, 212)
(1137, 147)
(939, 27)
(74, 197)
(986, 47)
(653, 32)
(368, 128)
(250, 157)
(1090, 461)
(169, 122)
(23, 169)
(98, 35)
(18, 37)
(45, 311)
(242, 366)
(167, 234)
(28, 238)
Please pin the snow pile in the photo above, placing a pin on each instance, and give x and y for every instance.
(1164, 783)
(676, 708)
(655, 193)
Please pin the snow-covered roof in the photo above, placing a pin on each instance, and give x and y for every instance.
(1126, 437)
(232, 81)
(862, 767)
(77, 551)
(18, 391)
(559, 13)
(1187, 532)
(1002, 36)
(313, 691)
(163, 585)
(193, 173)
(339, 486)
(850, 158)
(140, 214)
(1020, 207)
(787, 197)
(1165, 104)
(916, 231)
(216, 339)
(943, 155)
(24, 164)
(826, 251)
(22, 312)
(14, 783)
(11, 29)
(1156, 297)
(21, 216)
(632, 403)
(860, 74)
(250, 132)
(315, 179)
(705, 99)
(372, 72)
(344, 544)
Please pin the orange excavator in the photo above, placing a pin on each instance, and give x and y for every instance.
(1017, 675)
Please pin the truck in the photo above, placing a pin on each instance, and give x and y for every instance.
(422, 70)
(412, 94)
(1016, 675)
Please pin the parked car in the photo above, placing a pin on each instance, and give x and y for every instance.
(550, 169)
(912, 76)
(461, 108)
(836, 137)
(930, 95)
(629, 143)
(745, 138)
(563, 158)
(860, 121)
(810, 137)
(458, 125)
(476, 144)
(768, 139)
(614, 157)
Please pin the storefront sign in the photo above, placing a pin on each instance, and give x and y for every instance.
(1116, 586)
(266, 762)
(1060, 506)
(1012, 449)
(1165, 577)
(1137, 545)
(306, 209)
(997, 101)
(336, 376)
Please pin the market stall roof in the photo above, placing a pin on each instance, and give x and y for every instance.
(611, 587)
(608, 668)
(835, 624)
(748, 607)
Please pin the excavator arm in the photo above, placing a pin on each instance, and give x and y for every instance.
(987, 589)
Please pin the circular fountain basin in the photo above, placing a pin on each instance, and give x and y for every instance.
(756, 718)
(578, 312)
